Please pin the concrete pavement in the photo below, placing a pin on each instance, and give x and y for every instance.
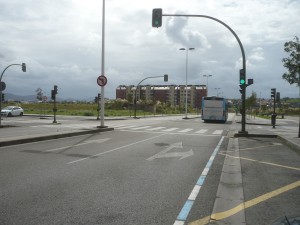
(286, 129)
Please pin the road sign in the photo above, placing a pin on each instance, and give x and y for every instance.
(3, 86)
(102, 80)
(45, 98)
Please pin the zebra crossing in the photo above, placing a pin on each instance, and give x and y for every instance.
(169, 130)
(144, 128)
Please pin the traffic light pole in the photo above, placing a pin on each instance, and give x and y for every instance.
(24, 70)
(243, 130)
(165, 79)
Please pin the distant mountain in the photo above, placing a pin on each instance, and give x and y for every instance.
(32, 98)
(13, 97)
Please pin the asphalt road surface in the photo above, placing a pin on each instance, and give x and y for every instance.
(147, 171)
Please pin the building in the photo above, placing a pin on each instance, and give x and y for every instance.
(172, 94)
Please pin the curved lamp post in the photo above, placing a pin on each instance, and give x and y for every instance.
(23, 69)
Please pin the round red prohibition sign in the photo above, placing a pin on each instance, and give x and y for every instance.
(102, 80)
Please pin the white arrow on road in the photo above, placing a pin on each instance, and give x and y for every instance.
(166, 154)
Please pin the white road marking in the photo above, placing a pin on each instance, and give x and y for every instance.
(202, 131)
(166, 154)
(115, 149)
(218, 132)
(139, 128)
(185, 130)
(155, 128)
(83, 143)
(171, 129)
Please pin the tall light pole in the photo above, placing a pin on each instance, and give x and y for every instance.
(207, 76)
(217, 91)
(102, 65)
(186, 75)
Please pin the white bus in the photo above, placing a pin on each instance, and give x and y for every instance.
(214, 109)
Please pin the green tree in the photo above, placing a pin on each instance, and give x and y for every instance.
(292, 63)
(251, 101)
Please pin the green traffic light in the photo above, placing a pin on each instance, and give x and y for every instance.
(242, 81)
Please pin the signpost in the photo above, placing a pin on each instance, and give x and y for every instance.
(102, 81)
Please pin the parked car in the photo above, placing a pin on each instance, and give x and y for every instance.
(12, 111)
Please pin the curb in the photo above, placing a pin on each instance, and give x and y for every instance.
(290, 144)
(53, 136)
(256, 135)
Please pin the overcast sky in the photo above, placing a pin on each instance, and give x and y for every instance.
(60, 41)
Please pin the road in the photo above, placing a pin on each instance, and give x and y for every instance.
(148, 171)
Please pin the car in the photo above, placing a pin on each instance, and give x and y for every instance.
(12, 111)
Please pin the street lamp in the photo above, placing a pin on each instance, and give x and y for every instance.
(217, 91)
(207, 76)
(186, 75)
(23, 65)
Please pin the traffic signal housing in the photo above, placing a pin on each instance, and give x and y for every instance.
(242, 77)
(24, 67)
(3, 97)
(273, 93)
(55, 89)
(157, 17)
(166, 77)
(52, 94)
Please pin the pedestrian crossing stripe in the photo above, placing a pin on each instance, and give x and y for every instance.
(172, 129)
(218, 132)
(185, 130)
(202, 131)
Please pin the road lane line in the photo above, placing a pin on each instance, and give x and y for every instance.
(182, 216)
(140, 128)
(98, 141)
(115, 149)
(218, 132)
(202, 131)
(245, 205)
(263, 162)
(155, 128)
(171, 129)
(185, 130)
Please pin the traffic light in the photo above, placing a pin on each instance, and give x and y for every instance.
(55, 89)
(241, 88)
(156, 17)
(23, 67)
(96, 99)
(166, 77)
(99, 96)
(278, 97)
(3, 96)
(52, 94)
(242, 77)
(273, 92)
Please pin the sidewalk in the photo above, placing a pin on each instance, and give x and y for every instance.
(43, 129)
(260, 127)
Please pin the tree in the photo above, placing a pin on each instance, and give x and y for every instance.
(251, 101)
(292, 63)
